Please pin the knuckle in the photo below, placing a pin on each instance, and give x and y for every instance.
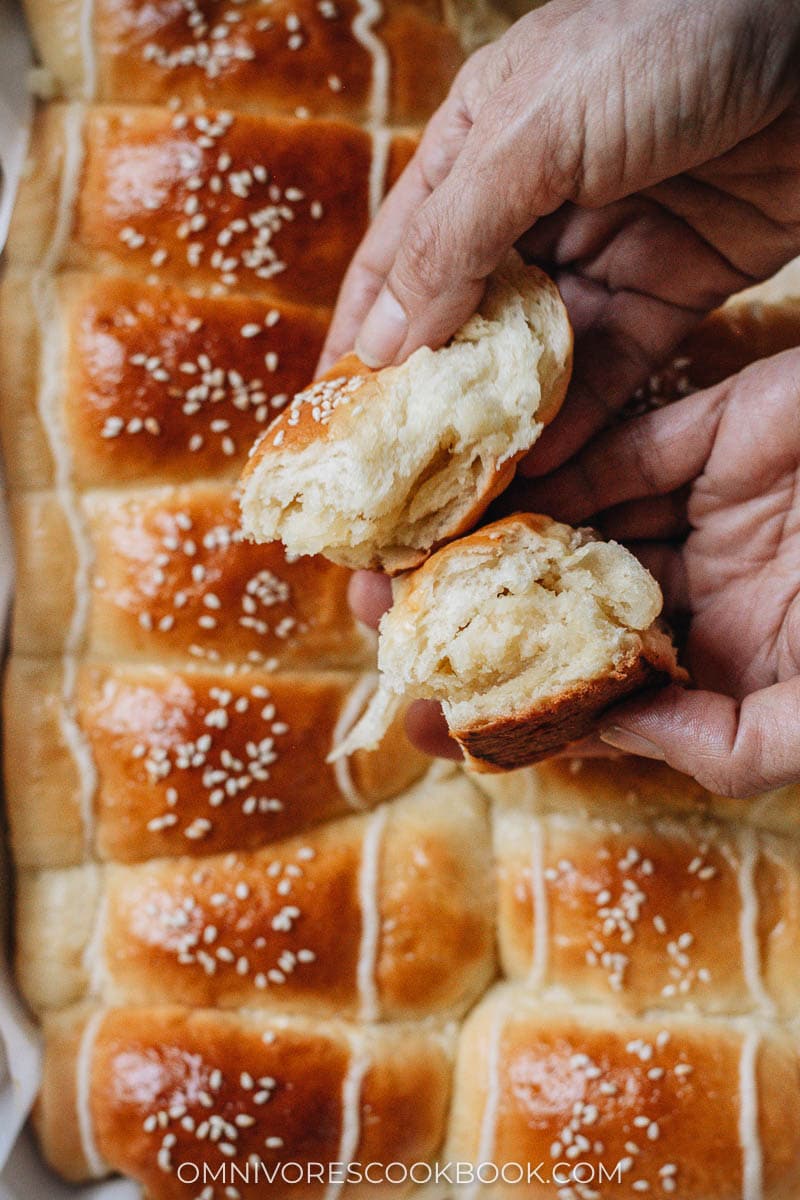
(722, 777)
(753, 748)
(436, 156)
(472, 80)
(418, 270)
(567, 163)
(645, 458)
(502, 63)
(485, 71)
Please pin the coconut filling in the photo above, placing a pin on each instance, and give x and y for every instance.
(446, 421)
(509, 629)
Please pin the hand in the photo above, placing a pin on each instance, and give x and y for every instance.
(736, 576)
(646, 151)
(727, 462)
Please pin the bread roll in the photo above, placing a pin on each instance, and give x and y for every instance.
(150, 384)
(375, 469)
(165, 575)
(627, 788)
(669, 1105)
(217, 202)
(143, 1090)
(387, 916)
(665, 912)
(185, 762)
(526, 631)
(301, 56)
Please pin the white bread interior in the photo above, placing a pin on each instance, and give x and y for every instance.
(518, 614)
(408, 453)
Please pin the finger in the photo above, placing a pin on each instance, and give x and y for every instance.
(369, 596)
(653, 518)
(427, 729)
(621, 339)
(667, 565)
(648, 456)
(573, 119)
(636, 278)
(729, 749)
(367, 272)
(458, 235)
(441, 143)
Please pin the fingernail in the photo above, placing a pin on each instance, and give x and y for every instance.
(383, 332)
(631, 743)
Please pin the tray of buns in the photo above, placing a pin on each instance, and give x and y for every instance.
(258, 940)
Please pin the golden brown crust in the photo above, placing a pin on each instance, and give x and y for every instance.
(20, 419)
(44, 554)
(157, 794)
(301, 423)
(265, 206)
(545, 728)
(445, 956)
(776, 882)
(153, 384)
(290, 928)
(738, 334)
(173, 580)
(283, 1080)
(695, 1101)
(55, 916)
(632, 787)
(301, 55)
(646, 913)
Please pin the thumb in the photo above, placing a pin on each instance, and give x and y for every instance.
(438, 274)
(730, 749)
(457, 238)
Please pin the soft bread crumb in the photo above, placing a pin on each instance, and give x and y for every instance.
(373, 469)
(511, 620)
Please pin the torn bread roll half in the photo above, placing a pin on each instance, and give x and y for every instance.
(525, 631)
(375, 469)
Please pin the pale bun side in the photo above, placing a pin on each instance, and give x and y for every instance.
(374, 469)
